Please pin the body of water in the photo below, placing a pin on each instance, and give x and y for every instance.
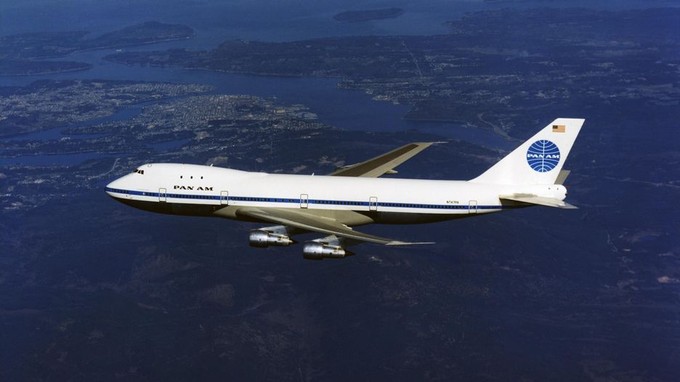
(215, 22)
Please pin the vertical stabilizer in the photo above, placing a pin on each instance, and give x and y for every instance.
(539, 159)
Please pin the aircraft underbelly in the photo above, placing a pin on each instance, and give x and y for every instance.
(411, 218)
(171, 208)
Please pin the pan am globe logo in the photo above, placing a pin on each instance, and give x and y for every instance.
(543, 155)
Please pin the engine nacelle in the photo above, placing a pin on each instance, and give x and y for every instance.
(262, 239)
(316, 251)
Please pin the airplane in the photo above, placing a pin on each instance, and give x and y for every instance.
(354, 195)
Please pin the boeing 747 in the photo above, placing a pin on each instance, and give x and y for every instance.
(354, 195)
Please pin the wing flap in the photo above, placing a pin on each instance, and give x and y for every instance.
(309, 222)
(383, 164)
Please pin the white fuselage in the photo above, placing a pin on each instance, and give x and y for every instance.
(203, 190)
(355, 195)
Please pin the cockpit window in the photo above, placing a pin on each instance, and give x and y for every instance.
(138, 171)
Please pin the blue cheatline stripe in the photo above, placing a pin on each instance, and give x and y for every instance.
(320, 202)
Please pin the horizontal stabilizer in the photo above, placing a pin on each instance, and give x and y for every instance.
(562, 176)
(398, 243)
(538, 200)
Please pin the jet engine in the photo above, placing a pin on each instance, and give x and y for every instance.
(328, 247)
(317, 251)
(264, 237)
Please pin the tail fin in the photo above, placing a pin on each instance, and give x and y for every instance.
(539, 159)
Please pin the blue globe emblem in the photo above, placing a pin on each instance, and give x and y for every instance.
(543, 155)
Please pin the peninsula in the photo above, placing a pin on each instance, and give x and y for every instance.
(27, 53)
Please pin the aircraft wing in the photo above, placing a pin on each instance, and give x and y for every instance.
(385, 163)
(309, 222)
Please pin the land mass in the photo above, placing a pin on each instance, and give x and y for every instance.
(491, 62)
(368, 15)
(142, 278)
(32, 68)
(591, 294)
(52, 104)
(26, 54)
(137, 120)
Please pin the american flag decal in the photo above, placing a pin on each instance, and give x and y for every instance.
(559, 129)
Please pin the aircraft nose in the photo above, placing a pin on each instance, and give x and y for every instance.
(111, 186)
(115, 188)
